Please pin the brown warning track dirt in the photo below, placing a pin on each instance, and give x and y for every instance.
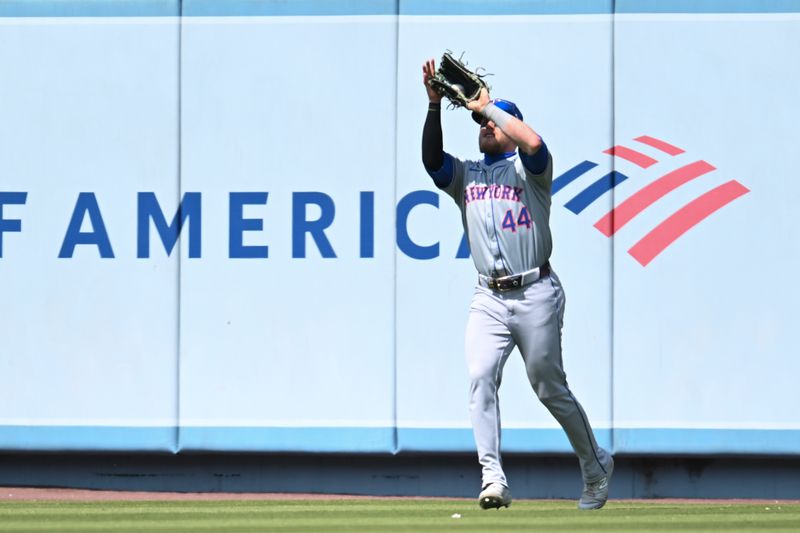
(29, 493)
(85, 495)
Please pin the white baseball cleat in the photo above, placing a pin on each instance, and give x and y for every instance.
(595, 494)
(494, 496)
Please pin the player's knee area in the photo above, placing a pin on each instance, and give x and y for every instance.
(546, 378)
(484, 382)
(550, 392)
(481, 370)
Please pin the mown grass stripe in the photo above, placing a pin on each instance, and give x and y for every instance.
(389, 515)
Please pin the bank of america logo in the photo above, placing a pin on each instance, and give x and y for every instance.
(656, 186)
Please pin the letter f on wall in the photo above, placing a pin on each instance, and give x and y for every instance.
(10, 224)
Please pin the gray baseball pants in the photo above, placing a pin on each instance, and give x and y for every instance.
(530, 318)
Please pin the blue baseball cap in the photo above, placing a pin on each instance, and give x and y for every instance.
(509, 107)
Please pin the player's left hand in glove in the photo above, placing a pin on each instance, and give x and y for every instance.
(457, 83)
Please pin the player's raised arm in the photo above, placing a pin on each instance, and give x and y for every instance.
(433, 156)
(527, 139)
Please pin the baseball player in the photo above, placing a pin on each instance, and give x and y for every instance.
(505, 209)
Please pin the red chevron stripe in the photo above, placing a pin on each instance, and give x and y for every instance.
(637, 158)
(647, 196)
(685, 219)
(659, 145)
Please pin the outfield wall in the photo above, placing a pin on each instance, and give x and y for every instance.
(317, 295)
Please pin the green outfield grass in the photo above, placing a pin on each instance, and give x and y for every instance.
(390, 515)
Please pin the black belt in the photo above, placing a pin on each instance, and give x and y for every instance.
(509, 283)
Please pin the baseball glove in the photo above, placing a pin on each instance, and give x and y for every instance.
(456, 82)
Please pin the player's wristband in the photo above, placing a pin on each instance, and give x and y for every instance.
(434, 106)
(496, 115)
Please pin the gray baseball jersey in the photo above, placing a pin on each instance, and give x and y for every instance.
(505, 210)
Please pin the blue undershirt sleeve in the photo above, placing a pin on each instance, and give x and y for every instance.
(537, 162)
(444, 175)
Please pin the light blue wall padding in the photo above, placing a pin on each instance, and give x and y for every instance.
(707, 441)
(377, 440)
(90, 8)
(284, 439)
(87, 438)
(156, 8)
